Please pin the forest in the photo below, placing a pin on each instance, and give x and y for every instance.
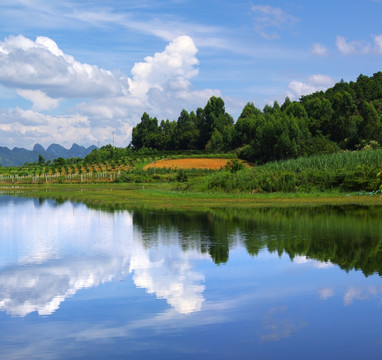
(344, 117)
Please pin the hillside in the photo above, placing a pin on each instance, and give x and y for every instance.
(344, 117)
(19, 156)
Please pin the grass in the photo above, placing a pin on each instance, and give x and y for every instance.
(161, 196)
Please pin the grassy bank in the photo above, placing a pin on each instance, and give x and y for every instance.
(160, 196)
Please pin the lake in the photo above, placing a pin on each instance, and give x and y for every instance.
(78, 282)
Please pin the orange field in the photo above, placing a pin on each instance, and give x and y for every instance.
(189, 163)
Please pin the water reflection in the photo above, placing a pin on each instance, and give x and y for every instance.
(52, 249)
(349, 237)
(49, 256)
(113, 284)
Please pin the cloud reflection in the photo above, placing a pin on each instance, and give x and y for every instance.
(169, 277)
(43, 288)
(357, 293)
(315, 263)
(278, 325)
(83, 249)
(326, 293)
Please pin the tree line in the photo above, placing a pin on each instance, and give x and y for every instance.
(344, 117)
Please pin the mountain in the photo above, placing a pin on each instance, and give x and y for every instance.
(19, 156)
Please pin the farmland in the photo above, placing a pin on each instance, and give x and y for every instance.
(189, 163)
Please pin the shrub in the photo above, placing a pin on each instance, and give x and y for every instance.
(234, 165)
(181, 175)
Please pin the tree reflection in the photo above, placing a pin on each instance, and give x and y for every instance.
(350, 237)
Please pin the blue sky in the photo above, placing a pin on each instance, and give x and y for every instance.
(77, 71)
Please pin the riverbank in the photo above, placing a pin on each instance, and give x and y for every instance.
(161, 196)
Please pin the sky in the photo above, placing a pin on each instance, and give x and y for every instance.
(85, 71)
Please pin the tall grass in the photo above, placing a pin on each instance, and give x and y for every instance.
(347, 159)
(348, 171)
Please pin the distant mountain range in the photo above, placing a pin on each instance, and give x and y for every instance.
(19, 156)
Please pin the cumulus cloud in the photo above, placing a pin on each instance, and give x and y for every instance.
(319, 49)
(40, 100)
(41, 65)
(160, 85)
(269, 20)
(314, 83)
(171, 69)
(42, 73)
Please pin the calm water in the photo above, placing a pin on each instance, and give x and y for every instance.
(82, 283)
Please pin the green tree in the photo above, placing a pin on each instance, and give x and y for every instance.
(216, 142)
(246, 126)
(144, 133)
(214, 117)
(186, 131)
(370, 127)
(319, 115)
(343, 123)
(296, 110)
(41, 160)
(249, 111)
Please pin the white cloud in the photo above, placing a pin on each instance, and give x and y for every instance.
(32, 127)
(46, 76)
(40, 100)
(314, 83)
(362, 47)
(319, 49)
(170, 69)
(353, 47)
(344, 47)
(160, 85)
(269, 20)
(41, 65)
